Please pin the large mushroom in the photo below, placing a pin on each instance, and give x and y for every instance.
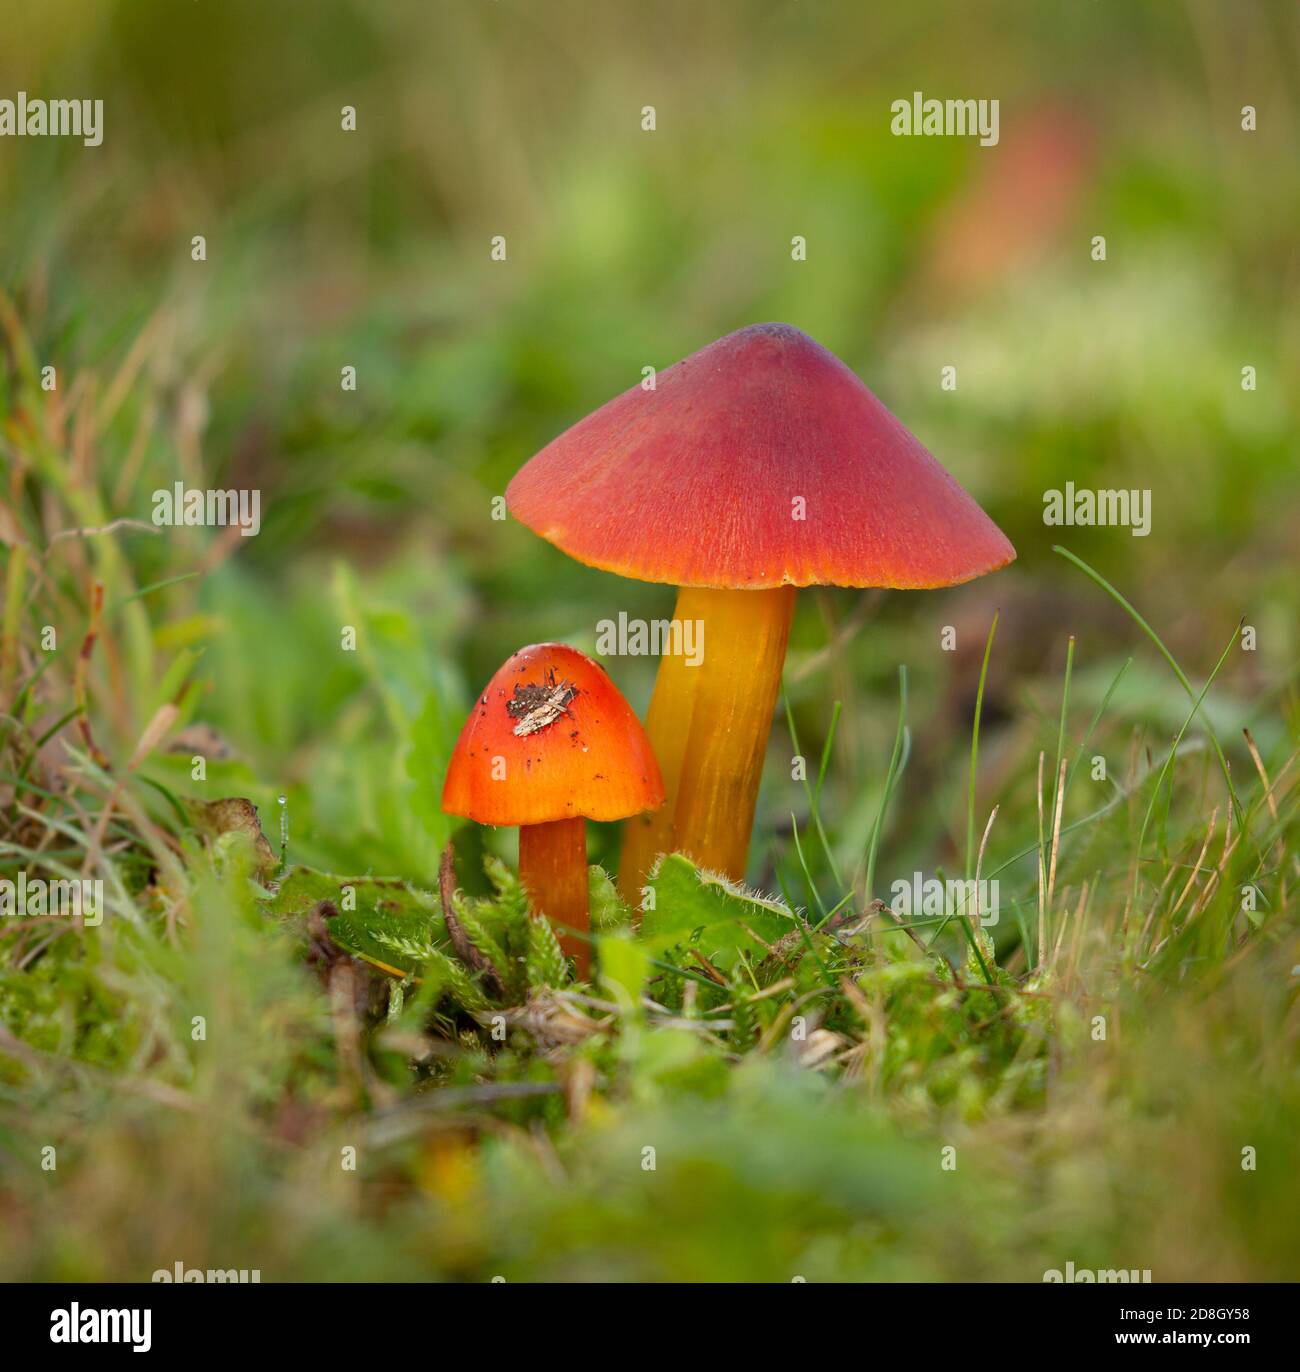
(759, 464)
(550, 744)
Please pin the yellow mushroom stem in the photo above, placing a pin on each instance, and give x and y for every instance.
(708, 725)
(553, 868)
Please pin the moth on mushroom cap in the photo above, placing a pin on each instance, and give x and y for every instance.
(536, 706)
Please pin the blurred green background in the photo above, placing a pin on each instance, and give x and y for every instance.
(628, 248)
(371, 248)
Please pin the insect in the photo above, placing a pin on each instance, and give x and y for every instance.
(537, 706)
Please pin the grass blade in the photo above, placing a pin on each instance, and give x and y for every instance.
(897, 761)
(975, 747)
(1168, 657)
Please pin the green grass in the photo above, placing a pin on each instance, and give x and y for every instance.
(796, 1072)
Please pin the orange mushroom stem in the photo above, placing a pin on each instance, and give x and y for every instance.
(553, 868)
(709, 725)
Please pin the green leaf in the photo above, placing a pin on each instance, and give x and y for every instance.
(481, 936)
(608, 909)
(547, 965)
(385, 921)
(624, 968)
(743, 1018)
(300, 890)
(709, 913)
(431, 741)
(511, 898)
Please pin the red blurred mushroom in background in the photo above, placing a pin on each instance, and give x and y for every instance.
(1017, 205)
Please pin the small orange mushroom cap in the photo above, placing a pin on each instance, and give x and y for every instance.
(759, 461)
(551, 737)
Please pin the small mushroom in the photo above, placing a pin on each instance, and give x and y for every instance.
(550, 744)
(757, 465)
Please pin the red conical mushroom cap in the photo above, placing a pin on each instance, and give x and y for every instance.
(551, 737)
(701, 481)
